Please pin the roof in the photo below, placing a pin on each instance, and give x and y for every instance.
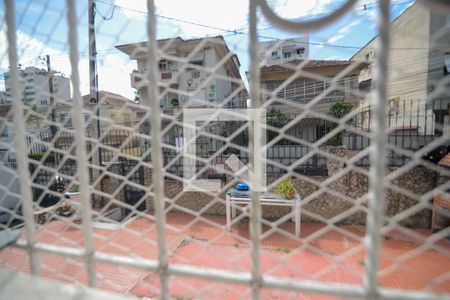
(170, 39)
(108, 98)
(311, 64)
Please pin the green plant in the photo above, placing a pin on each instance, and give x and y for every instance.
(338, 110)
(408, 224)
(277, 119)
(286, 189)
(174, 102)
(283, 249)
(74, 188)
(40, 155)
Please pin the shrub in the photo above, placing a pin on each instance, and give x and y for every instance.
(338, 110)
(74, 188)
(40, 155)
(286, 189)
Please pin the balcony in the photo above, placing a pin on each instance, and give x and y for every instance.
(165, 77)
(365, 75)
(138, 80)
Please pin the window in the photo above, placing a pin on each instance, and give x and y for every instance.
(274, 54)
(163, 64)
(300, 51)
(195, 74)
(197, 62)
(287, 54)
(166, 75)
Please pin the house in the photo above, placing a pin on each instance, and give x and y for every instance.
(314, 80)
(274, 52)
(34, 83)
(185, 74)
(193, 73)
(119, 117)
(114, 109)
(419, 59)
(37, 132)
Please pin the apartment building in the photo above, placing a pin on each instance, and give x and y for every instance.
(274, 52)
(192, 72)
(34, 83)
(419, 60)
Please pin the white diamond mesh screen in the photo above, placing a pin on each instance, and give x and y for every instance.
(141, 160)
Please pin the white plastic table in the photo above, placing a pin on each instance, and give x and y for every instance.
(232, 201)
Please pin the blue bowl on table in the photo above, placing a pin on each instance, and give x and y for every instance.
(242, 186)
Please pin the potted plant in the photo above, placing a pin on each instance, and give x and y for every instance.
(174, 102)
(286, 189)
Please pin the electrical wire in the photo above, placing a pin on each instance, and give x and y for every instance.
(240, 32)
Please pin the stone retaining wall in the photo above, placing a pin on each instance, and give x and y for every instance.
(338, 202)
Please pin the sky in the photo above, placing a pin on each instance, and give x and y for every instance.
(42, 29)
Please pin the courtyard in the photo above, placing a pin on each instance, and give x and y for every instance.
(334, 255)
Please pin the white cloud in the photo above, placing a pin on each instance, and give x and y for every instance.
(291, 9)
(343, 31)
(230, 15)
(113, 70)
(134, 8)
(114, 74)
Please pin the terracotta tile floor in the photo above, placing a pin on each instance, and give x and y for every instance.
(337, 256)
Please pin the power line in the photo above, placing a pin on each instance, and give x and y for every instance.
(241, 32)
(106, 18)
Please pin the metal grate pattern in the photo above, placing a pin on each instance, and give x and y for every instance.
(150, 181)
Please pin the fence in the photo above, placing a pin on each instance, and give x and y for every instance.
(173, 241)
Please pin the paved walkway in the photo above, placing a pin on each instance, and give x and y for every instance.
(336, 255)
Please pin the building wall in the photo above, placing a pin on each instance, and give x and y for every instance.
(61, 88)
(304, 90)
(35, 87)
(288, 45)
(323, 207)
(409, 58)
(439, 52)
(215, 90)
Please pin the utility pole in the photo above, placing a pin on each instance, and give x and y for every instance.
(93, 79)
(50, 89)
(52, 100)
